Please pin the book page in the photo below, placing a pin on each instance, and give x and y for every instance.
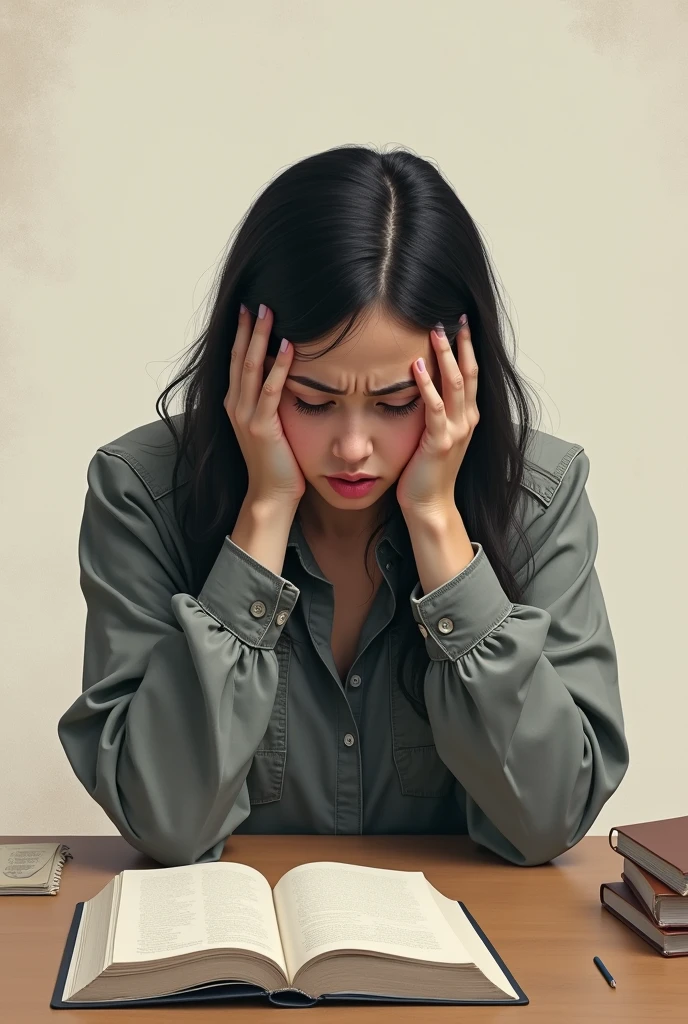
(166, 912)
(467, 934)
(327, 905)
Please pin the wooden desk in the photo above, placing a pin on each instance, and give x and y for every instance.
(545, 922)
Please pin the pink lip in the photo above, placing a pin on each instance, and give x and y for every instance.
(352, 488)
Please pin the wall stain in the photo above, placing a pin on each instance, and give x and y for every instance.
(653, 39)
(35, 39)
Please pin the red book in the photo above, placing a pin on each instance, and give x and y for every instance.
(618, 899)
(665, 907)
(660, 847)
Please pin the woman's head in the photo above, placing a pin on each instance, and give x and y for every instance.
(358, 253)
(355, 432)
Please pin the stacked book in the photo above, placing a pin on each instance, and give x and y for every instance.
(652, 897)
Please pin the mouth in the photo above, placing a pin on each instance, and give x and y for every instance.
(352, 479)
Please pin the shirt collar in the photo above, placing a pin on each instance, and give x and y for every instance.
(393, 534)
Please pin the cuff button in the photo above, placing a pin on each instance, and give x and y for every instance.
(257, 609)
(445, 625)
(281, 618)
(423, 630)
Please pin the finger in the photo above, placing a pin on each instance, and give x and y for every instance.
(435, 413)
(271, 390)
(252, 366)
(469, 368)
(236, 356)
(453, 381)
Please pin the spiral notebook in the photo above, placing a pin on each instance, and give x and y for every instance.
(32, 869)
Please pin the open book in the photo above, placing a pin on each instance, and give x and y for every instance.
(327, 930)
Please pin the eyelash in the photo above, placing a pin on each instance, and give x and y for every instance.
(390, 410)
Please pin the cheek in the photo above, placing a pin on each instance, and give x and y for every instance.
(403, 437)
(298, 429)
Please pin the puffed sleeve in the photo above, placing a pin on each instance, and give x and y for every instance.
(177, 690)
(523, 699)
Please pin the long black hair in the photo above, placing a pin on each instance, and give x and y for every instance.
(337, 235)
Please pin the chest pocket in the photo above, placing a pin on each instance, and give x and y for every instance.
(421, 770)
(266, 774)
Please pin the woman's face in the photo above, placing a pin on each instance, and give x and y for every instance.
(354, 432)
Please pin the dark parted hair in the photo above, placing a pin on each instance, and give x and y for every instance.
(351, 230)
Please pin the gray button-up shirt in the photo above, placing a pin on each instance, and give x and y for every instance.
(206, 714)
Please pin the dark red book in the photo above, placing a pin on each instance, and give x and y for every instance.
(619, 900)
(667, 908)
(661, 847)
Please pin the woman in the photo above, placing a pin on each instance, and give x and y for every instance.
(252, 663)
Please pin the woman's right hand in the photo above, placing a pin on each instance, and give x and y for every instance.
(274, 475)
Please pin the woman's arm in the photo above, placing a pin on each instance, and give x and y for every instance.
(523, 699)
(177, 690)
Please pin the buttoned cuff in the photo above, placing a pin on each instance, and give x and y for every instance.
(455, 617)
(246, 597)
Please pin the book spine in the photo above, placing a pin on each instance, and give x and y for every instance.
(650, 911)
(291, 997)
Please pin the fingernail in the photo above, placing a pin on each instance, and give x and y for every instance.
(420, 363)
(463, 319)
(242, 308)
(262, 310)
(283, 346)
(440, 329)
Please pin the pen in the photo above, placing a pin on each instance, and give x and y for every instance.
(603, 970)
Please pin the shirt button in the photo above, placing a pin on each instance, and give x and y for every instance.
(355, 680)
(422, 628)
(388, 565)
(257, 609)
(349, 740)
(445, 625)
(282, 617)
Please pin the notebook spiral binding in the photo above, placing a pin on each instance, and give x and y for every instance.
(64, 855)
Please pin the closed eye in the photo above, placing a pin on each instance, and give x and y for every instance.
(390, 410)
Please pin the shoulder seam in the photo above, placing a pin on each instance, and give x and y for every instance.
(137, 467)
(546, 494)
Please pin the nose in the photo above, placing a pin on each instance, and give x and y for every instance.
(353, 445)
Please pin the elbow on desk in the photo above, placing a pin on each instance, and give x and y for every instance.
(201, 845)
(543, 850)
(171, 849)
(172, 828)
(533, 851)
(170, 852)
(543, 829)
(533, 841)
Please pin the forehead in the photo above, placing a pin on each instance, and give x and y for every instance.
(373, 346)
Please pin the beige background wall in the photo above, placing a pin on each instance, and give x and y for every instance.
(135, 136)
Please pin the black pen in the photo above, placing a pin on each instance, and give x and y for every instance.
(603, 970)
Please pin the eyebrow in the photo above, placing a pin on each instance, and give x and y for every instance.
(317, 385)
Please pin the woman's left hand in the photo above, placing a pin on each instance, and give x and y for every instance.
(427, 483)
